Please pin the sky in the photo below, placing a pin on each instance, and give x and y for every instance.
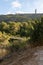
(20, 6)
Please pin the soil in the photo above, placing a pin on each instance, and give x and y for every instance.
(31, 56)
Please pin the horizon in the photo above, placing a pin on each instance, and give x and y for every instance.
(20, 6)
(21, 13)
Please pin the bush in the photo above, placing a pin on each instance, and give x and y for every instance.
(37, 34)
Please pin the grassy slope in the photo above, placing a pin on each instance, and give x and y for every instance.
(19, 17)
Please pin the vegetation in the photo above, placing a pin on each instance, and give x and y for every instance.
(16, 34)
(19, 17)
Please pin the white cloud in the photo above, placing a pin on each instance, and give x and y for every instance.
(9, 12)
(16, 4)
(17, 12)
(21, 12)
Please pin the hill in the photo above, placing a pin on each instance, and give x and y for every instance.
(19, 17)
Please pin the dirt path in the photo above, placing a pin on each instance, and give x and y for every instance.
(35, 57)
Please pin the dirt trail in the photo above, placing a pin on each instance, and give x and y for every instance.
(28, 57)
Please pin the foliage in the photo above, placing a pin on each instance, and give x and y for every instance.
(32, 29)
(37, 33)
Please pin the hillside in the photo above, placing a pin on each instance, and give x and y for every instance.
(19, 17)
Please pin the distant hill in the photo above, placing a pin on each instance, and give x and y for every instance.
(19, 17)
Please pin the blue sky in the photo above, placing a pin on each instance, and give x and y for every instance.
(20, 6)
